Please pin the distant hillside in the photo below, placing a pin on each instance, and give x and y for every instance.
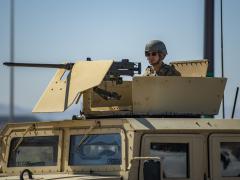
(5, 119)
(4, 110)
(26, 115)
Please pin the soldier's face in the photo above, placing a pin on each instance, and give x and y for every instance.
(153, 57)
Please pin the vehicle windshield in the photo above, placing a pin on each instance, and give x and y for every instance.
(96, 149)
(34, 151)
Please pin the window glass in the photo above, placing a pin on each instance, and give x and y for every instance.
(33, 151)
(230, 159)
(98, 149)
(174, 158)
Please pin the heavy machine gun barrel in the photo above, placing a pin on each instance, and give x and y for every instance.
(67, 66)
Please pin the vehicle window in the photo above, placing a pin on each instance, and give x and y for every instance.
(230, 159)
(174, 158)
(34, 151)
(98, 149)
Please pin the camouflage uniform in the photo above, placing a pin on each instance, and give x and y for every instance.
(166, 70)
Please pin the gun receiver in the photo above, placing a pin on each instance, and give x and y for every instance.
(122, 68)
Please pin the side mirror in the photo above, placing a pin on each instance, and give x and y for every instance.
(152, 170)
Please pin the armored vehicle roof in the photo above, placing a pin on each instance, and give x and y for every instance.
(136, 124)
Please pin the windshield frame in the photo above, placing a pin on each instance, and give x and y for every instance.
(97, 168)
(34, 169)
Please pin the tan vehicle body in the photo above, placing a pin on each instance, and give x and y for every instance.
(203, 136)
(157, 118)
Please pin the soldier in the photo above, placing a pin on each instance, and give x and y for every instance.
(155, 51)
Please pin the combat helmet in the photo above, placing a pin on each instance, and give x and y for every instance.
(156, 46)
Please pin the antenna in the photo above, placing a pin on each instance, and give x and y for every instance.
(222, 62)
(12, 3)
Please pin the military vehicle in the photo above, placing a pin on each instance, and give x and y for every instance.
(144, 128)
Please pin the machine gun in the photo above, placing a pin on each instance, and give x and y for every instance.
(115, 73)
(118, 69)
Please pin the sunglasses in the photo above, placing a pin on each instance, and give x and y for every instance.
(147, 54)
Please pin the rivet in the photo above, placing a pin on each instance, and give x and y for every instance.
(197, 124)
(209, 124)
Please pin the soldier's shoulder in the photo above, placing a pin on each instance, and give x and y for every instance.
(166, 66)
(170, 70)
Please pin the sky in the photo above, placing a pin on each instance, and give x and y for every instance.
(57, 31)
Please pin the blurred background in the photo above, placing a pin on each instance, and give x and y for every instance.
(57, 31)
